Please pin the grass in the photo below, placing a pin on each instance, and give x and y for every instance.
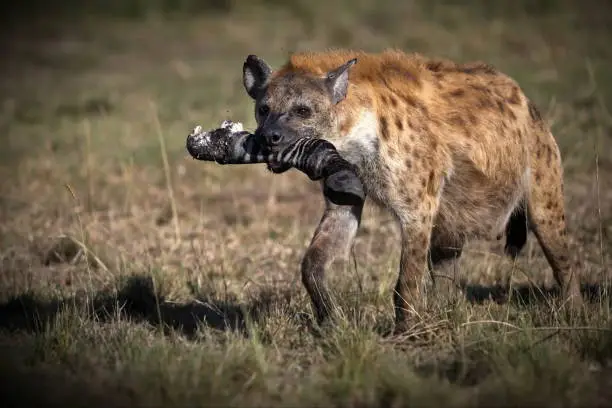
(132, 274)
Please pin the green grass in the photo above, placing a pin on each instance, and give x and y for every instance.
(108, 299)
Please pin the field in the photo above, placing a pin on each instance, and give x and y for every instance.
(132, 275)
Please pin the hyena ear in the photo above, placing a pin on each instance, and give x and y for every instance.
(337, 81)
(255, 73)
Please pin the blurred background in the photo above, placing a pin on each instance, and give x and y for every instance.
(99, 96)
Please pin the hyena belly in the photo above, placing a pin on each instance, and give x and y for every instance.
(488, 140)
(475, 206)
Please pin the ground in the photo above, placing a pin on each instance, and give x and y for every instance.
(134, 274)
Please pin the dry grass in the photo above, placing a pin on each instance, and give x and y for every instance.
(134, 275)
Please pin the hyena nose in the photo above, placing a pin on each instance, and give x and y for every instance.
(273, 137)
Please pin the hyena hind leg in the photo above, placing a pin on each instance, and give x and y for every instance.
(334, 236)
(546, 216)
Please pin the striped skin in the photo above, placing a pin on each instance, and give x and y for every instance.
(317, 158)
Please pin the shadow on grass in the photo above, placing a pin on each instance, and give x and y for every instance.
(137, 301)
(523, 295)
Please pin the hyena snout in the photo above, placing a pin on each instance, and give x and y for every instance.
(272, 137)
(276, 137)
(269, 133)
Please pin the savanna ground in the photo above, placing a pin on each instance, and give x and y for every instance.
(132, 274)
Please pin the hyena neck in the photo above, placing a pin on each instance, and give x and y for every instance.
(357, 138)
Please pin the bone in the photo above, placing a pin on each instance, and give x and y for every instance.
(228, 144)
(317, 158)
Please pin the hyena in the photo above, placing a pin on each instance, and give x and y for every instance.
(454, 151)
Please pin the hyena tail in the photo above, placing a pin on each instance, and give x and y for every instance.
(517, 229)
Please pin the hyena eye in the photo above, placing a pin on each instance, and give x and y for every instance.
(264, 110)
(303, 112)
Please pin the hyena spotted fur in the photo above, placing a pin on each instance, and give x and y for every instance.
(453, 151)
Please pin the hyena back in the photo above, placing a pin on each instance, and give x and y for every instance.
(453, 151)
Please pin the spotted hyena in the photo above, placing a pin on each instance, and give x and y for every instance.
(453, 151)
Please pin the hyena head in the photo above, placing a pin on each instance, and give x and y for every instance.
(292, 105)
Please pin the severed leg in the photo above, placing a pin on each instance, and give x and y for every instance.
(317, 158)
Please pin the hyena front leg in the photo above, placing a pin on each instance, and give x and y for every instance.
(416, 222)
(334, 236)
